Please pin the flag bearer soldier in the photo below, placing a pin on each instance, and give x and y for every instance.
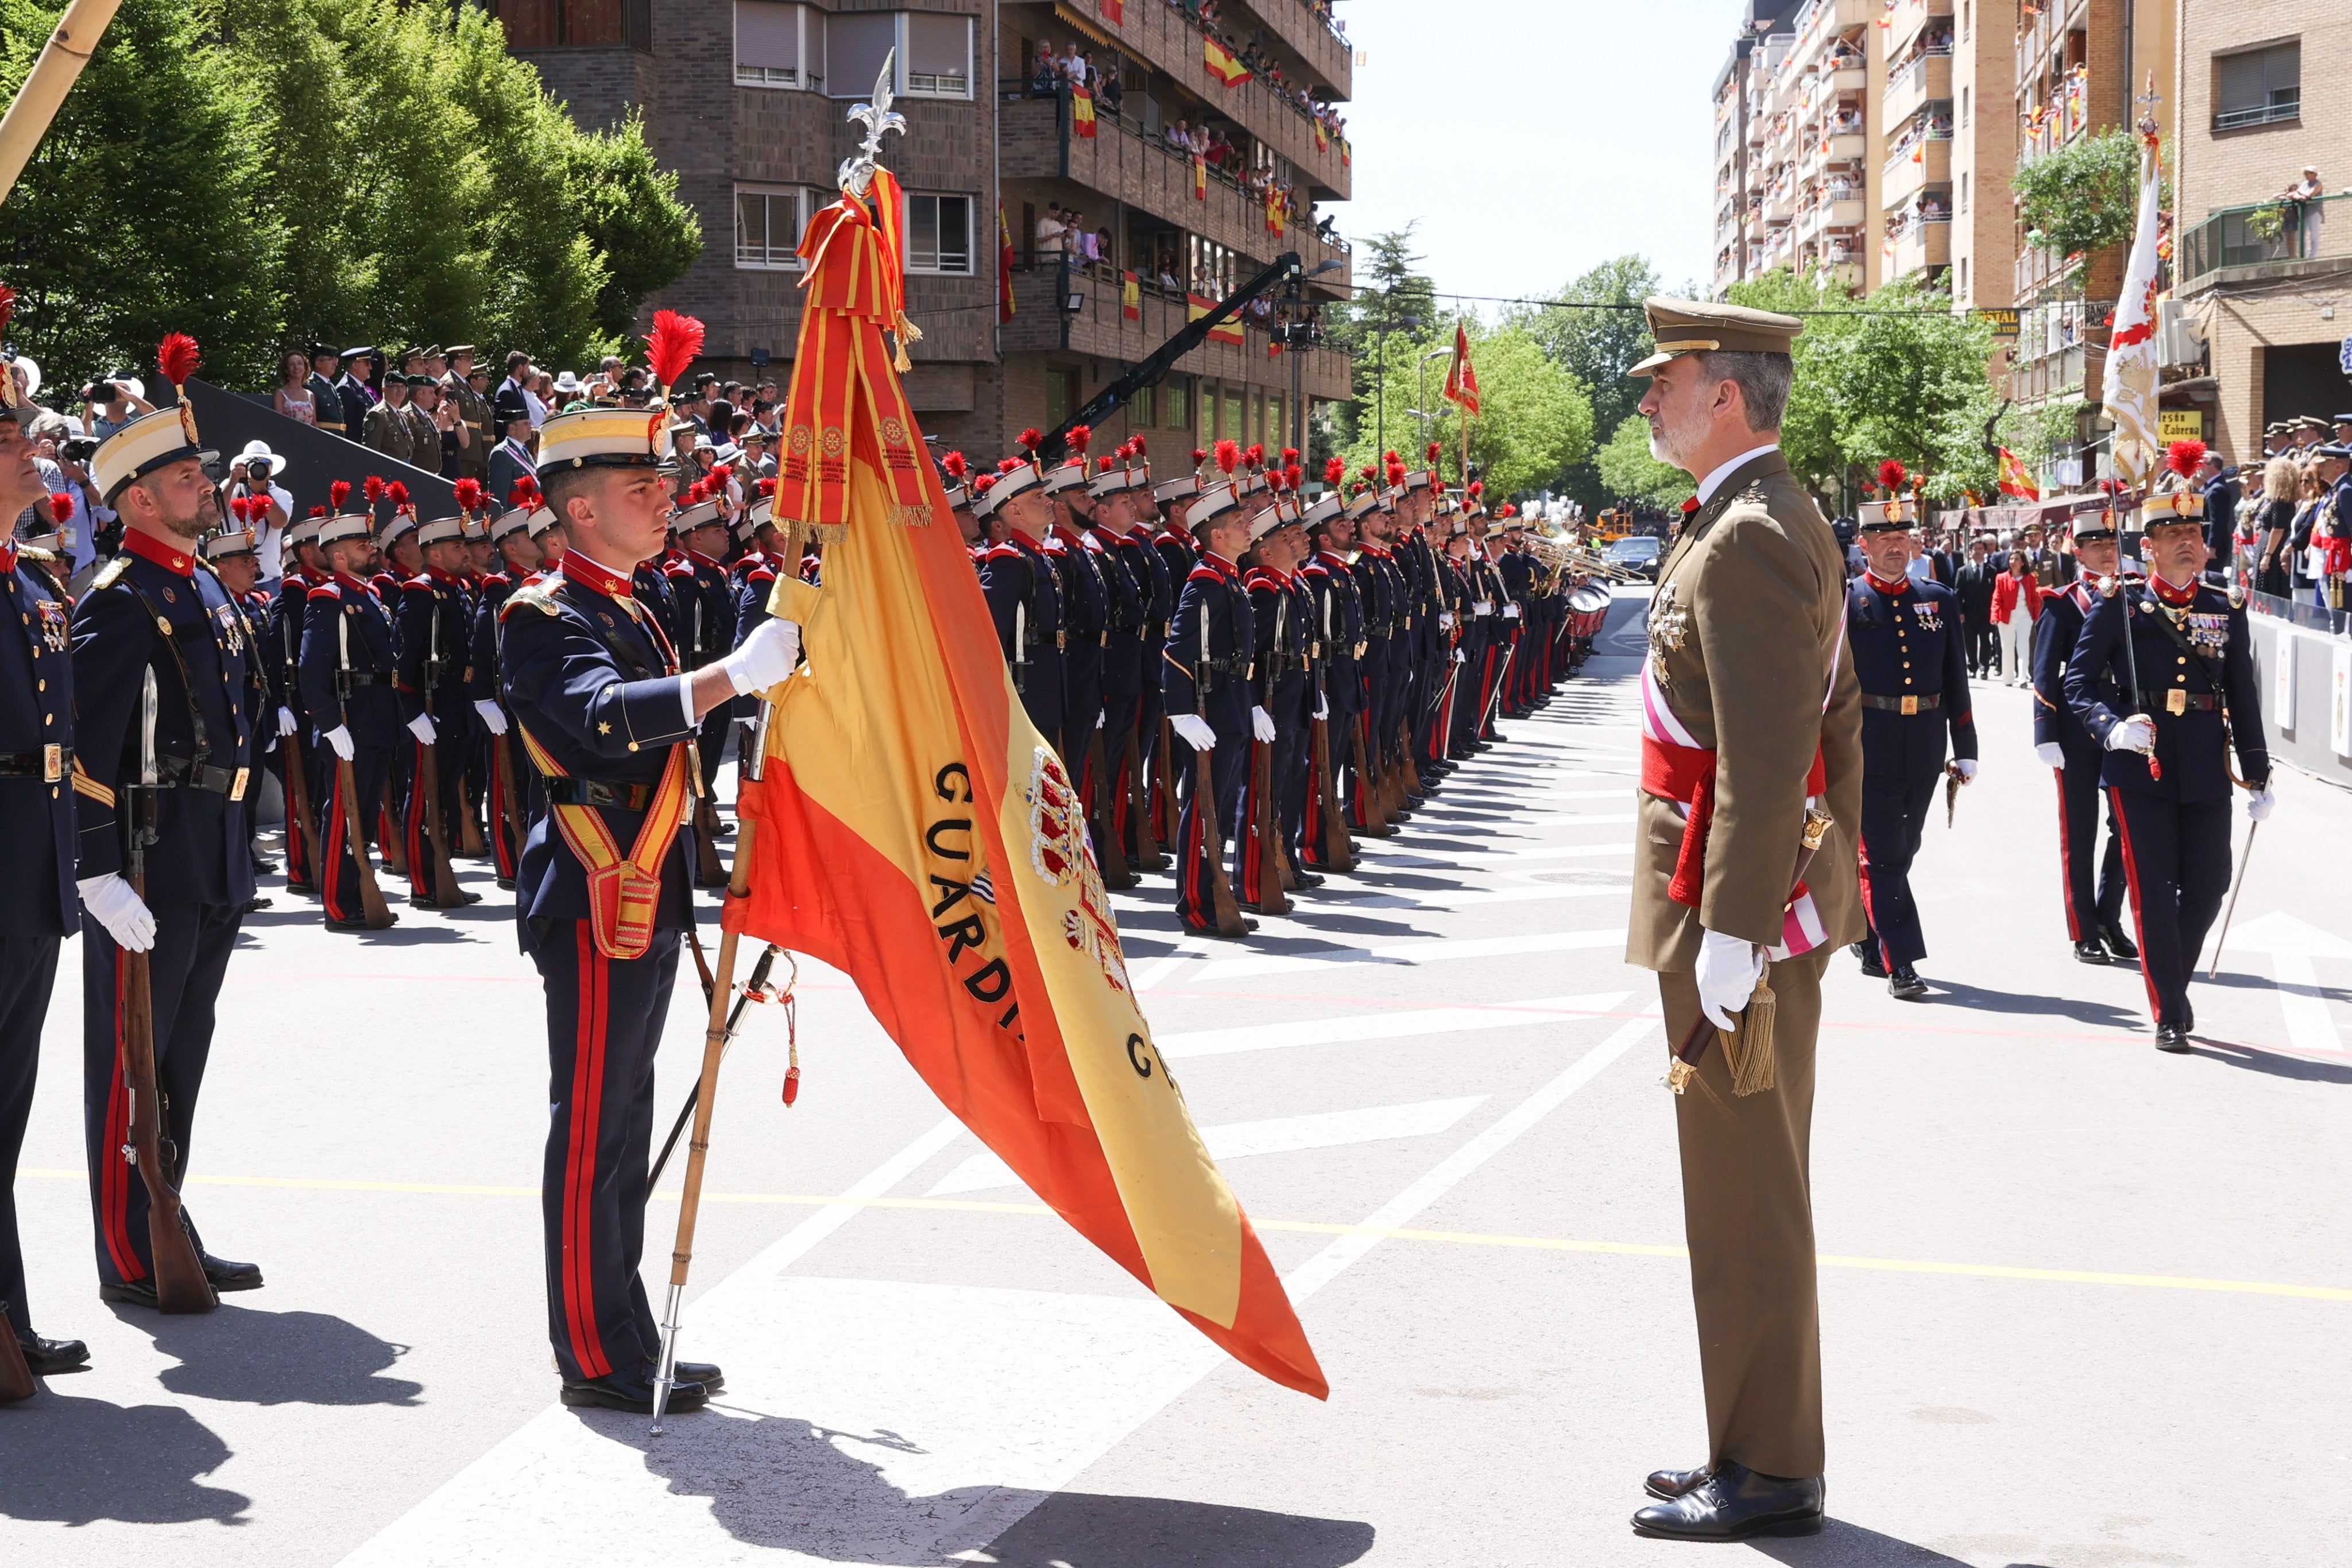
(1204, 680)
(2094, 909)
(1746, 700)
(346, 675)
(1339, 617)
(1278, 687)
(156, 618)
(518, 560)
(37, 899)
(2183, 646)
(602, 898)
(1024, 590)
(1910, 655)
(433, 671)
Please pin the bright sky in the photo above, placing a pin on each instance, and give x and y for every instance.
(1534, 138)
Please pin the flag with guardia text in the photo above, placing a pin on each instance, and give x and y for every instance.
(915, 831)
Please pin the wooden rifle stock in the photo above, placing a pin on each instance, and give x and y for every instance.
(502, 758)
(305, 823)
(1163, 788)
(470, 829)
(1138, 801)
(1221, 887)
(432, 842)
(1109, 849)
(373, 914)
(180, 1282)
(1262, 827)
(16, 1377)
(1338, 847)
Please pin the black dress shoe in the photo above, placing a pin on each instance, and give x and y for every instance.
(1305, 878)
(2118, 943)
(137, 1293)
(1669, 1485)
(706, 1373)
(632, 1393)
(2173, 1038)
(256, 902)
(1904, 984)
(48, 1357)
(1735, 1503)
(2090, 951)
(227, 1276)
(1872, 968)
(506, 884)
(262, 867)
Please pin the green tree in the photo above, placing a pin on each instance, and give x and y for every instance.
(1596, 346)
(2084, 196)
(1629, 471)
(1535, 418)
(1392, 305)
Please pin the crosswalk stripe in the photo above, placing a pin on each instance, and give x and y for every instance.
(1406, 1024)
(1406, 954)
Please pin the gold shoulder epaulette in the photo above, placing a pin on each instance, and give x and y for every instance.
(1754, 493)
(111, 572)
(210, 569)
(537, 595)
(34, 552)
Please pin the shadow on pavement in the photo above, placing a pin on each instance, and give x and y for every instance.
(783, 1484)
(247, 1358)
(77, 1461)
(1843, 1546)
(2254, 1059)
(2082, 1009)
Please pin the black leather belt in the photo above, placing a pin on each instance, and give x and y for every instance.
(50, 764)
(596, 792)
(1927, 703)
(2178, 700)
(347, 679)
(184, 773)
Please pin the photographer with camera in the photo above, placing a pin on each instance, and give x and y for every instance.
(253, 473)
(112, 403)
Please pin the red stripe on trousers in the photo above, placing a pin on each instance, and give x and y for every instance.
(1861, 871)
(420, 872)
(580, 1161)
(2139, 914)
(2066, 859)
(498, 844)
(114, 1173)
(1195, 852)
(331, 861)
(1250, 842)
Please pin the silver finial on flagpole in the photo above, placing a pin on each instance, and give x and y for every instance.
(856, 171)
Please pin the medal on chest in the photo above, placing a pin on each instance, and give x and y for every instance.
(1927, 615)
(1669, 628)
(2208, 633)
(55, 627)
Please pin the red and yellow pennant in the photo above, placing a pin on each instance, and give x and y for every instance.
(1130, 296)
(1223, 63)
(1082, 112)
(1274, 213)
(1461, 379)
(2015, 480)
(1322, 138)
(915, 831)
(1226, 331)
(1114, 12)
(1200, 178)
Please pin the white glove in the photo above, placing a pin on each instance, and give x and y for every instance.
(765, 658)
(2137, 733)
(1484, 607)
(2049, 754)
(2258, 804)
(115, 905)
(1322, 705)
(1966, 766)
(340, 737)
(1728, 970)
(1194, 730)
(1460, 657)
(287, 723)
(1445, 620)
(1510, 613)
(1101, 719)
(421, 726)
(493, 716)
(1261, 725)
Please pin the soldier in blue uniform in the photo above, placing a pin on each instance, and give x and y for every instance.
(347, 670)
(602, 897)
(1204, 677)
(1086, 624)
(1089, 514)
(1172, 543)
(1129, 565)
(706, 616)
(1279, 668)
(281, 632)
(517, 559)
(156, 616)
(433, 673)
(37, 897)
(1909, 657)
(1339, 620)
(2094, 908)
(2183, 646)
(1024, 590)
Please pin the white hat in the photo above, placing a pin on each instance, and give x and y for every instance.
(603, 437)
(1067, 475)
(349, 525)
(1009, 484)
(440, 531)
(233, 542)
(566, 381)
(261, 449)
(1326, 507)
(695, 516)
(508, 521)
(1180, 489)
(1215, 501)
(542, 519)
(148, 442)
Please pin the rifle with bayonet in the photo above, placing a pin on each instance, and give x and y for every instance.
(373, 914)
(304, 824)
(434, 837)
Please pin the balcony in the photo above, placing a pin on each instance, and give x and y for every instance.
(1099, 327)
(1122, 164)
(1926, 80)
(1779, 204)
(2059, 377)
(1923, 243)
(2268, 241)
(1902, 178)
(1822, 22)
(1329, 56)
(1907, 20)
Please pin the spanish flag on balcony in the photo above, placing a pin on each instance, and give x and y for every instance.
(1227, 331)
(1223, 63)
(1004, 267)
(1322, 138)
(1347, 153)
(915, 831)
(1114, 12)
(1082, 112)
(1130, 296)
(1200, 178)
(1274, 213)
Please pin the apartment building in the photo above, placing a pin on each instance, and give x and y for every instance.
(1738, 185)
(1984, 151)
(746, 100)
(2261, 274)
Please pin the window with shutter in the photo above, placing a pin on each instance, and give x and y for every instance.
(767, 43)
(856, 46)
(938, 56)
(2258, 87)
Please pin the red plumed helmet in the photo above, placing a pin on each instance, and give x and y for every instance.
(469, 495)
(1029, 438)
(1137, 445)
(1293, 474)
(1255, 456)
(2183, 457)
(1200, 456)
(339, 492)
(984, 484)
(1436, 450)
(1893, 475)
(720, 472)
(1103, 464)
(1509, 510)
(518, 494)
(954, 466)
(318, 511)
(61, 505)
(1334, 470)
(1229, 455)
(767, 486)
(176, 357)
(397, 494)
(1477, 488)
(372, 488)
(1289, 456)
(239, 506)
(671, 346)
(1391, 456)
(1080, 436)
(1007, 464)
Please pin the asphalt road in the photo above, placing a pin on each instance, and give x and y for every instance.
(2084, 1303)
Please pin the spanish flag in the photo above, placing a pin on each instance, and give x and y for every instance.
(1223, 63)
(1322, 138)
(1200, 178)
(1226, 331)
(1461, 379)
(2014, 479)
(1274, 213)
(916, 832)
(1130, 296)
(1082, 112)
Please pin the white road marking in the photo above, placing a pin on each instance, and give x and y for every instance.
(1439, 950)
(1580, 818)
(1405, 1024)
(1403, 1209)
(1278, 1136)
(2293, 944)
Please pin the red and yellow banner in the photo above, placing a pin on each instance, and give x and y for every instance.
(1274, 223)
(1461, 379)
(1004, 267)
(1082, 112)
(1347, 153)
(2015, 480)
(1322, 138)
(1131, 296)
(1114, 12)
(1223, 63)
(915, 831)
(1200, 178)
(1226, 331)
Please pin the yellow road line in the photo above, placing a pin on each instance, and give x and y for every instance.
(1322, 1228)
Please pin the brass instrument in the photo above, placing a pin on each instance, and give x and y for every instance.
(1559, 557)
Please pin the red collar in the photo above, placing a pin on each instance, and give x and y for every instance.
(2167, 594)
(1219, 564)
(1884, 587)
(358, 582)
(594, 575)
(700, 559)
(437, 575)
(162, 553)
(8, 559)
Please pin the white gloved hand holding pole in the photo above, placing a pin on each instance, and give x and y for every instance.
(1966, 766)
(1261, 725)
(494, 718)
(340, 737)
(116, 904)
(1194, 730)
(2137, 733)
(766, 657)
(287, 723)
(1322, 705)
(2260, 804)
(1727, 971)
(421, 726)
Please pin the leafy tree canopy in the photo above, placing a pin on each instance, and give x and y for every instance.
(1535, 419)
(2084, 196)
(1629, 471)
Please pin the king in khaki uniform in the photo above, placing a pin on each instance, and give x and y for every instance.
(1744, 871)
